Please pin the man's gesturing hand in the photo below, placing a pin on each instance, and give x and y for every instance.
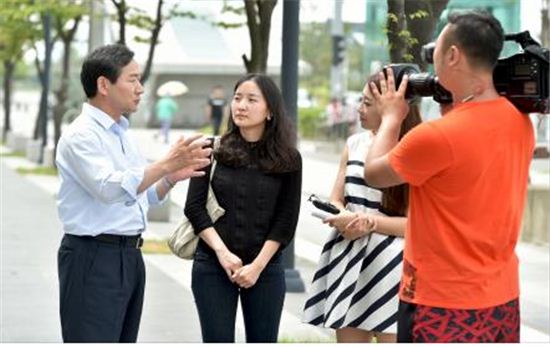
(189, 153)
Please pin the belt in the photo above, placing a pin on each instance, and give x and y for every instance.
(134, 241)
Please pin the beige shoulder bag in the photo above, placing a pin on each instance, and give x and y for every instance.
(183, 241)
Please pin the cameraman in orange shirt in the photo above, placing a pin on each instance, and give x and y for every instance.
(468, 175)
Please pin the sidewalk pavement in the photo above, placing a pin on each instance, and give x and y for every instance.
(30, 234)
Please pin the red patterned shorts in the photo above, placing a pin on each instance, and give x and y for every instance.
(419, 323)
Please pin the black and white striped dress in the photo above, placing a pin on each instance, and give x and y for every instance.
(356, 283)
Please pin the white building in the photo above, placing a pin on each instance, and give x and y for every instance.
(201, 55)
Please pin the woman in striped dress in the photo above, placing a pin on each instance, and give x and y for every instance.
(355, 287)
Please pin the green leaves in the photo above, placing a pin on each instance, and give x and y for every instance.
(16, 29)
(408, 38)
(420, 14)
(410, 25)
(141, 21)
(21, 25)
(392, 17)
(229, 10)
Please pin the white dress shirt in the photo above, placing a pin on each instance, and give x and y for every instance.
(100, 172)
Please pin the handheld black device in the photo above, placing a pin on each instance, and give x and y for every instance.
(323, 205)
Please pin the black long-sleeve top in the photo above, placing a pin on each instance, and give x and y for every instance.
(258, 207)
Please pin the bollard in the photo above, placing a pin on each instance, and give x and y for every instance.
(32, 151)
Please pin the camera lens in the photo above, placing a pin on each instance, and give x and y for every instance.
(399, 71)
(426, 84)
(420, 83)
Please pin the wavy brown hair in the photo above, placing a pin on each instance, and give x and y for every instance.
(276, 151)
(395, 200)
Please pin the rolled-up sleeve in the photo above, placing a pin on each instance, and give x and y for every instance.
(287, 209)
(153, 197)
(84, 157)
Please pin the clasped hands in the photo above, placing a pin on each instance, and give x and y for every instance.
(245, 276)
(353, 225)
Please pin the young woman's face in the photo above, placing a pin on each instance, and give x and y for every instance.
(248, 107)
(368, 111)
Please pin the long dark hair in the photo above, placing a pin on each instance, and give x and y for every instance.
(276, 151)
(395, 200)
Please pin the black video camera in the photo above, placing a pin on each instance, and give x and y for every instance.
(522, 78)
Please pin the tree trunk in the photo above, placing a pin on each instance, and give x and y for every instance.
(395, 24)
(41, 78)
(423, 28)
(265, 10)
(253, 32)
(153, 43)
(121, 14)
(9, 69)
(36, 132)
(258, 14)
(61, 94)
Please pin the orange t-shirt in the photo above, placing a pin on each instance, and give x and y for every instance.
(468, 174)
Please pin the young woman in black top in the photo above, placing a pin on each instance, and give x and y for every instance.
(257, 180)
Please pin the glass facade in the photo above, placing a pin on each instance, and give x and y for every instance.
(376, 41)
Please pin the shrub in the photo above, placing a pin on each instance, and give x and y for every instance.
(309, 120)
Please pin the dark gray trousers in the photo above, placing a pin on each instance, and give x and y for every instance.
(101, 287)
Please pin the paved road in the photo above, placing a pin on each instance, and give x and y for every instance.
(30, 233)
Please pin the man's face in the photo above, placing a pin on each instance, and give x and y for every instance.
(125, 94)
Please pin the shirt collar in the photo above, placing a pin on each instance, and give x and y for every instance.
(104, 119)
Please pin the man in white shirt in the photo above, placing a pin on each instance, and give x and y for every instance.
(106, 188)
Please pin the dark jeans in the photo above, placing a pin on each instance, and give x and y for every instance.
(101, 288)
(216, 298)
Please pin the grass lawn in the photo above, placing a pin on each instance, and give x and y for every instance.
(155, 247)
(13, 154)
(40, 170)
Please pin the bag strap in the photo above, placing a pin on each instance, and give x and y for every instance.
(215, 147)
(217, 140)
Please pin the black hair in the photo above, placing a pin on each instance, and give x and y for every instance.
(276, 151)
(106, 61)
(395, 200)
(479, 34)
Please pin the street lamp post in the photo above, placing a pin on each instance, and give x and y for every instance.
(96, 37)
(289, 89)
(46, 89)
(338, 53)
